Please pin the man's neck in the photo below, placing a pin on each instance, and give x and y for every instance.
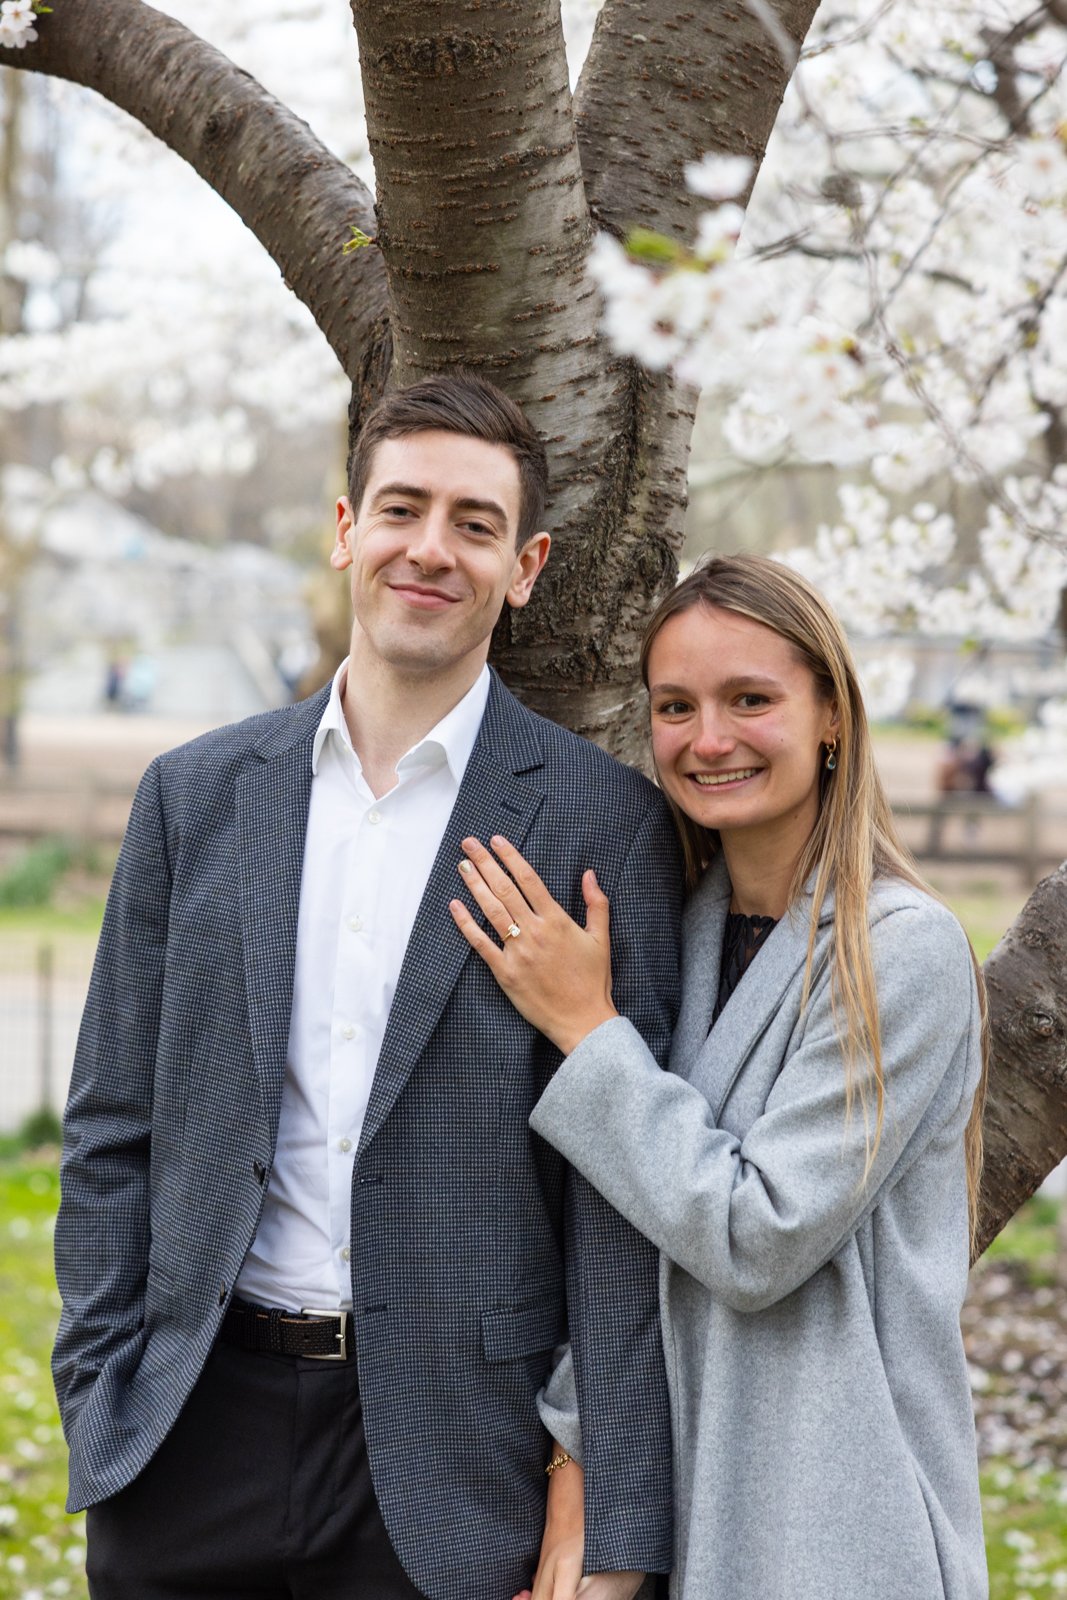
(388, 712)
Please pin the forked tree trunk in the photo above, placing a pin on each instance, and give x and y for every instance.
(490, 184)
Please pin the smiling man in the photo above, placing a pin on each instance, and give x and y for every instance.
(315, 1268)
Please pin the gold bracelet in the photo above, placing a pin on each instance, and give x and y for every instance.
(557, 1462)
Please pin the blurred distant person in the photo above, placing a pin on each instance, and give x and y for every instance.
(965, 767)
(114, 679)
(980, 762)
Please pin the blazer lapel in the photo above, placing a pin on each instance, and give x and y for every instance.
(501, 792)
(272, 800)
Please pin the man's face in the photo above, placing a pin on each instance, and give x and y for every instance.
(432, 550)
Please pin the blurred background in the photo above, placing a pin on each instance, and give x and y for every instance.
(172, 440)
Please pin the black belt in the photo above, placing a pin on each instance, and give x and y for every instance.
(318, 1335)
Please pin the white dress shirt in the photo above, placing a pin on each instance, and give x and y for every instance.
(366, 865)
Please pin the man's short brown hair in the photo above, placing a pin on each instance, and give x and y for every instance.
(460, 403)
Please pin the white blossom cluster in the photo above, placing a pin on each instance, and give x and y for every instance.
(187, 351)
(17, 18)
(895, 306)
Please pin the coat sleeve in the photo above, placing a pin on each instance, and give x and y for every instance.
(612, 1272)
(557, 1403)
(102, 1231)
(752, 1219)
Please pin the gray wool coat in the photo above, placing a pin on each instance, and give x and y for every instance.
(823, 1433)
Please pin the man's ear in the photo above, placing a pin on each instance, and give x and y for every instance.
(341, 554)
(528, 564)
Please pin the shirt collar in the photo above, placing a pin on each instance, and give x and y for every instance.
(452, 739)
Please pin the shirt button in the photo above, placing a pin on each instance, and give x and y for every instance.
(345, 1145)
(374, 817)
(346, 1254)
(348, 1032)
(355, 923)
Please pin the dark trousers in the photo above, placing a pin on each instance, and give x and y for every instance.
(261, 1491)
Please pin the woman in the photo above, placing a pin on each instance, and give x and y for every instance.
(809, 1167)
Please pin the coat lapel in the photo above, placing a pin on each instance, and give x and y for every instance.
(712, 1060)
(501, 792)
(702, 936)
(272, 800)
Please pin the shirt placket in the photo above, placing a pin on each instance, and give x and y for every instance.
(356, 985)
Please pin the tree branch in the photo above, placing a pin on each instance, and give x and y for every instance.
(294, 194)
(662, 86)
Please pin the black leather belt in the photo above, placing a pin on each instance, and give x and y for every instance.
(317, 1335)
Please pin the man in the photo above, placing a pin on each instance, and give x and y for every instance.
(314, 1265)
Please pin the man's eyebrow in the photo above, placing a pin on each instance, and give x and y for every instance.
(412, 491)
(490, 508)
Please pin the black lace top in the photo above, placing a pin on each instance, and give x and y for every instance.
(742, 939)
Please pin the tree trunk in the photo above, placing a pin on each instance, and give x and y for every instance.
(1026, 1112)
(484, 228)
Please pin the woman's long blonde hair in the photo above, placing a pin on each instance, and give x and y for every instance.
(854, 840)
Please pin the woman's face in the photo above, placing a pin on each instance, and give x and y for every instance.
(738, 728)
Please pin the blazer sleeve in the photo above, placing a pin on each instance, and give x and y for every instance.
(102, 1231)
(753, 1218)
(612, 1271)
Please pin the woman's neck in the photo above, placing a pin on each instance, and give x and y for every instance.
(762, 863)
(760, 888)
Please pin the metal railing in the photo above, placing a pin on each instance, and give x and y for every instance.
(978, 830)
(43, 983)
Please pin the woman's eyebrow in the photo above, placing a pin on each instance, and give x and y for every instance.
(748, 681)
(726, 686)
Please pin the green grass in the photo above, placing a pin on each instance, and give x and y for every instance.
(1031, 1239)
(987, 910)
(1025, 1516)
(41, 1548)
(79, 921)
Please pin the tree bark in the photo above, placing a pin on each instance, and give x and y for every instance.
(485, 232)
(294, 194)
(1026, 1111)
(708, 78)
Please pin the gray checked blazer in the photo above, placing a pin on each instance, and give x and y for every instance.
(475, 1249)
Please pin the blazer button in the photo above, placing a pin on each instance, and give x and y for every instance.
(260, 1171)
(222, 1294)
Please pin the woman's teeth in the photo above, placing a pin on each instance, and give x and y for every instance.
(709, 780)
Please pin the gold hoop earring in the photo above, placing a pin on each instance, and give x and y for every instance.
(831, 755)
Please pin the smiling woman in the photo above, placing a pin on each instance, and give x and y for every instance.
(809, 1166)
(736, 732)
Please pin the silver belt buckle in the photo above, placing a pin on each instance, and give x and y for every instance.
(342, 1316)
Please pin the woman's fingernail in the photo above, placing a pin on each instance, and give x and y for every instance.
(465, 868)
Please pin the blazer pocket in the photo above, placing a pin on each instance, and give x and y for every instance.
(517, 1331)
